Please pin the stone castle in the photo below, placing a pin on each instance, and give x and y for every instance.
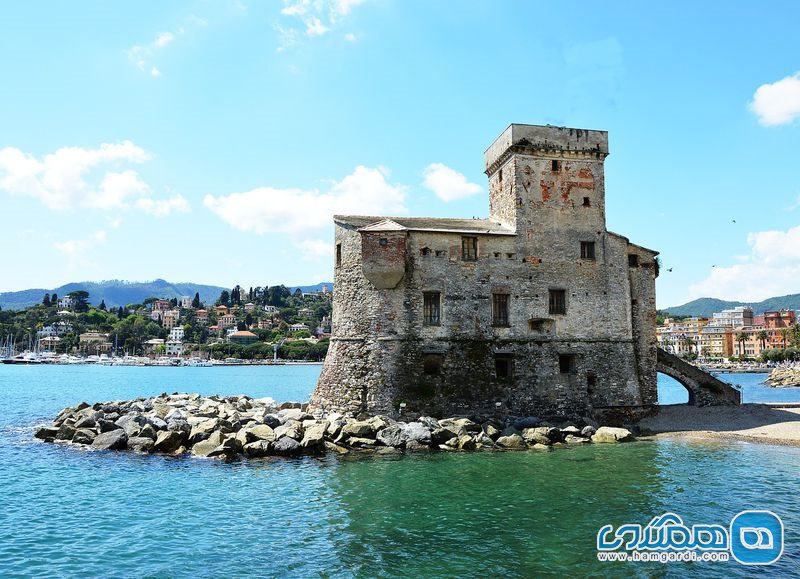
(537, 310)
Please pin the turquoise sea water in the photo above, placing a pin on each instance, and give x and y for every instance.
(74, 513)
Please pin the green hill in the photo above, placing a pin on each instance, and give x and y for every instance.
(704, 307)
(120, 293)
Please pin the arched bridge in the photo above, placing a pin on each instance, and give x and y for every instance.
(704, 389)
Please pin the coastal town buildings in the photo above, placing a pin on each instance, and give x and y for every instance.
(734, 332)
(536, 310)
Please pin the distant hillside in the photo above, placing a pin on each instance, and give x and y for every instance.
(114, 292)
(705, 307)
(119, 293)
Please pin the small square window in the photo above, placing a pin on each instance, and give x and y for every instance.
(383, 242)
(432, 364)
(431, 308)
(555, 166)
(558, 301)
(566, 363)
(504, 366)
(587, 202)
(500, 309)
(587, 249)
(633, 260)
(469, 248)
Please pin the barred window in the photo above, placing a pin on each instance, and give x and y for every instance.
(558, 301)
(500, 309)
(587, 249)
(431, 308)
(469, 248)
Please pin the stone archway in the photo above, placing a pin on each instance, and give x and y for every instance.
(704, 389)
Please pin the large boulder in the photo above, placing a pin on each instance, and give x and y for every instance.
(608, 434)
(169, 441)
(205, 447)
(291, 429)
(314, 435)
(358, 428)
(47, 433)
(111, 440)
(535, 436)
(286, 446)
(260, 432)
(513, 441)
(394, 435)
(84, 436)
(257, 448)
(526, 422)
(140, 444)
(460, 425)
(418, 432)
(107, 425)
(65, 432)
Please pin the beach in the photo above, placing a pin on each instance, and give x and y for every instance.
(770, 423)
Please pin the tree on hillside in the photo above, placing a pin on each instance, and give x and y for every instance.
(196, 301)
(102, 305)
(762, 337)
(46, 300)
(741, 337)
(224, 298)
(120, 313)
(54, 299)
(80, 299)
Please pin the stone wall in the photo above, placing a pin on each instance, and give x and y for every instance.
(599, 353)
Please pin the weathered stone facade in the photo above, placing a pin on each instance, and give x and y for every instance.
(536, 310)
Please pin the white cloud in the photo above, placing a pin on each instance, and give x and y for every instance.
(299, 212)
(771, 269)
(318, 17)
(314, 249)
(350, 37)
(448, 184)
(59, 179)
(163, 207)
(143, 55)
(163, 39)
(777, 103)
(75, 177)
(315, 27)
(78, 250)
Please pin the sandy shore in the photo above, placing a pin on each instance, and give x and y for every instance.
(752, 422)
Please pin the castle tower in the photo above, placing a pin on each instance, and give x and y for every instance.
(538, 309)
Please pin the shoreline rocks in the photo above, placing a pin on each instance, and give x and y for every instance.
(232, 426)
(784, 378)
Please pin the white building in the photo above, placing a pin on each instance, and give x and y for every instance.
(176, 333)
(299, 328)
(173, 348)
(66, 303)
(271, 309)
(186, 302)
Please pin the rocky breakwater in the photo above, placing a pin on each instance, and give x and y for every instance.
(784, 377)
(224, 427)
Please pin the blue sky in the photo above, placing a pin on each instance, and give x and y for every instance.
(212, 141)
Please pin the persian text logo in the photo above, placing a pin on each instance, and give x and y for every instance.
(754, 538)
